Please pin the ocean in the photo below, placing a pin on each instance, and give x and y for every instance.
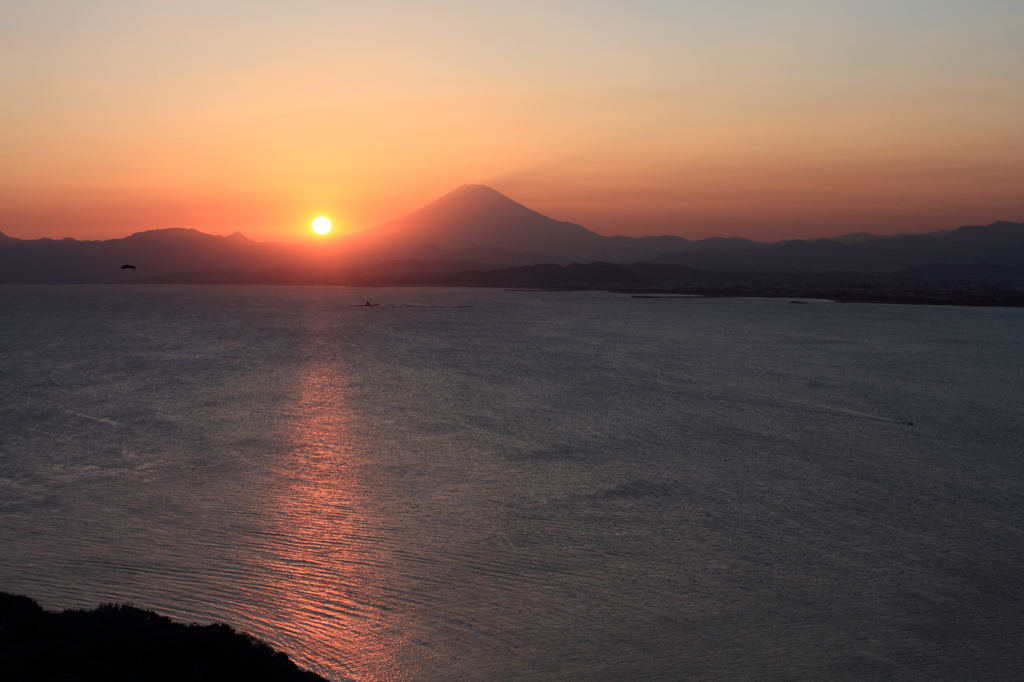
(481, 485)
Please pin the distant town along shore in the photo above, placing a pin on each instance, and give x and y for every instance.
(122, 643)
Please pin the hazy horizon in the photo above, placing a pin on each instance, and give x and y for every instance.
(338, 234)
(768, 121)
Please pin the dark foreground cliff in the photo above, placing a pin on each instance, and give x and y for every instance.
(116, 643)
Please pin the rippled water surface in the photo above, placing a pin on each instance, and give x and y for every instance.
(487, 485)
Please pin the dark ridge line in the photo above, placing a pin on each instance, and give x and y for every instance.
(123, 643)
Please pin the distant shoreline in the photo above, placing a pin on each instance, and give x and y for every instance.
(928, 297)
(899, 296)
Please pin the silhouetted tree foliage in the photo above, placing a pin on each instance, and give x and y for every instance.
(121, 643)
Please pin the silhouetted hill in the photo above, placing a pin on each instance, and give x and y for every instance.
(393, 273)
(973, 272)
(478, 216)
(1001, 243)
(547, 275)
(475, 215)
(667, 275)
(69, 261)
(483, 228)
(115, 643)
(491, 255)
(417, 273)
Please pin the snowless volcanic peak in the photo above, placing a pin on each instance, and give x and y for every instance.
(476, 215)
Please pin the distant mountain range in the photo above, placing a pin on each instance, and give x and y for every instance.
(475, 229)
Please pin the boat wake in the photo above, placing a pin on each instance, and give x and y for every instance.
(862, 415)
(95, 419)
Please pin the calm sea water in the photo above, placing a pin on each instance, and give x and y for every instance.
(487, 485)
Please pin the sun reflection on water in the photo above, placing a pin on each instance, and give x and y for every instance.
(322, 559)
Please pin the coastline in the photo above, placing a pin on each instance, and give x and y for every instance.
(114, 642)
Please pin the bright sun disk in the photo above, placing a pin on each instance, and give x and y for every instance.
(321, 225)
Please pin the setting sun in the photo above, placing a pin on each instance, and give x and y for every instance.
(321, 225)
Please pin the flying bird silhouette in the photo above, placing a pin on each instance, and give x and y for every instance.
(125, 267)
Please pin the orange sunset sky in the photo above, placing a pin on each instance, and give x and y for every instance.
(768, 120)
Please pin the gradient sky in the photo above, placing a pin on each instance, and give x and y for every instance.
(768, 120)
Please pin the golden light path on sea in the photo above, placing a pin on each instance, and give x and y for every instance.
(329, 613)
